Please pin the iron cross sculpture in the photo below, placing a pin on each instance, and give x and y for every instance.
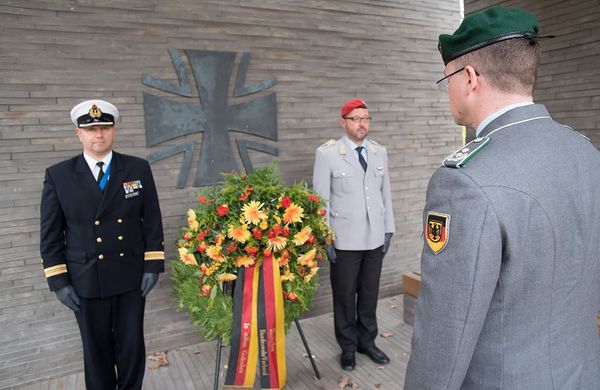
(215, 117)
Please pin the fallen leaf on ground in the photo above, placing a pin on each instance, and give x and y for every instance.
(345, 381)
(158, 359)
(377, 385)
(387, 334)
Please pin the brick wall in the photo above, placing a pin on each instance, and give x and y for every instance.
(569, 75)
(55, 53)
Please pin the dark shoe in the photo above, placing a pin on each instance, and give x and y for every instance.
(376, 354)
(348, 361)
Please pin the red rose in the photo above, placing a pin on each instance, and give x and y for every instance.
(322, 212)
(277, 230)
(222, 210)
(311, 240)
(256, 233)
(202, 199)
(286, 201)
(286, 231)
(187, 236)
(271, 234)
(201, 247)
(203, 268)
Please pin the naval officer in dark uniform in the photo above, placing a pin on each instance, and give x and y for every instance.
(102, 247)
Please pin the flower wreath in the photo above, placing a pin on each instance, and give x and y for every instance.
(234, 226)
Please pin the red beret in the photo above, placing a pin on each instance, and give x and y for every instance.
(351, 105)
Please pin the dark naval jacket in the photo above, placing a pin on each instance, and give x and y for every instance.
(101, 242)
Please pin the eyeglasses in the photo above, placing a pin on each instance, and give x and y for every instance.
(442, 83)
(358, 118)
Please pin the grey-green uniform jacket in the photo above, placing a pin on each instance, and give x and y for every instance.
(360, 203)
(509, 300)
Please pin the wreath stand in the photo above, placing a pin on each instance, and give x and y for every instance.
(228, 289)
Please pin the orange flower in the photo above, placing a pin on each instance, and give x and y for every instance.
(205, 290)
(244, 261)
(251, 250)
(226, 277)
(308, 258)
(201, 247)
(186, 257)
(276, 243)
(203, 268)
(253, 212)
(302, 236)
(246, 194)
(239, 233)
(192, 221)
(322, 212)
(314, 198)
(219, 239)
(214, 252)
(294, 213)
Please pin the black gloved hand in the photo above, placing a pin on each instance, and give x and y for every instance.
(386, 242)
(68, 297)
(330, 253)
(149, 280)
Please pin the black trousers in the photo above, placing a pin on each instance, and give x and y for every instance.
(355, 286)
(112, 332)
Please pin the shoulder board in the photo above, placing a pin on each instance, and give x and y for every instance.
(459, 158)
(327, 144)
(376, 144)
(570, 128)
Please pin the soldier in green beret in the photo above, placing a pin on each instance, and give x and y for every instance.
(510, 270)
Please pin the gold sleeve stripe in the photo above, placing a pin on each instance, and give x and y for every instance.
(154, 255)
(55, 270)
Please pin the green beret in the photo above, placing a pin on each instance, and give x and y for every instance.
(484, 28)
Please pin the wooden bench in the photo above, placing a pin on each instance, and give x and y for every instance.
(410, 284)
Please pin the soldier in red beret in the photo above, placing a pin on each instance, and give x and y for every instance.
(352, 175)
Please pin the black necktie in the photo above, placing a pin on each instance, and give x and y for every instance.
(101, 173)
(361, 159)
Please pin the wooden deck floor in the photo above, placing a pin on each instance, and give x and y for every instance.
(192, 367)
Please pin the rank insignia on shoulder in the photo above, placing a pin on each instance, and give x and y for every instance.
(459, 158)
(437, 231)
(327, 144)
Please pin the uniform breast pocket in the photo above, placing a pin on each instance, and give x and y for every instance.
(341, 180)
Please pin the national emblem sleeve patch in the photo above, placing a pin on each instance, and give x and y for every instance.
(437, 231)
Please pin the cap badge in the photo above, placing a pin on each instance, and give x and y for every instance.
(95, 112)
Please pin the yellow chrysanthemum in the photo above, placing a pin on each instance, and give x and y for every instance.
(292, 214)
(308, 258)
(214, 252)
(192, 221)
(302, 236)
(287, 275)
(253, 212)
(264, 224)
(244, 261)
(277, 219)
(276, 243)
(226, 277)
(187, 257)
(239, 233)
